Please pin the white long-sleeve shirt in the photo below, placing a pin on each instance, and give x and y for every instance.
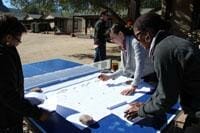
(135, 61)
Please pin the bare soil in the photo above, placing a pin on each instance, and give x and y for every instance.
(39, 47)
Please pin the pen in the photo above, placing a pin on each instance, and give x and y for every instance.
(117, 105)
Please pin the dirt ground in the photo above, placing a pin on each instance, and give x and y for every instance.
(39, 47)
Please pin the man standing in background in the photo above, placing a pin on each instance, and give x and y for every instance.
(100, 37)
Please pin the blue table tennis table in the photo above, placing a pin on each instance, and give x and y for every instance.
(109, 124)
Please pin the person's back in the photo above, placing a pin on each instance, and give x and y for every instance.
(187, 68)
(135, 52)
(177, 66)
(99, 32)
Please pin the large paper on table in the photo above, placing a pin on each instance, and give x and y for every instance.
(89, 95)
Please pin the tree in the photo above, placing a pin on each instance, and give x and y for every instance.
(128, 9)
(35, 6)
(133, 9)
(116, 7)
(120, 9)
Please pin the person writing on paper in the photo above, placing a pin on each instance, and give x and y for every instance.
(134, 58)
(177, 66)
(13, 104)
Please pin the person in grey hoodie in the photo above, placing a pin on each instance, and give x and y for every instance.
(134, 58)
(177, 66)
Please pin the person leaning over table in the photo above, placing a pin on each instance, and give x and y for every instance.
(134, 58)
(177, 66)
(13, 105)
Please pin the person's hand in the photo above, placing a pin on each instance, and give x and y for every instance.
(132, 112)
(45, 115)
(95, 46)
(103, 77)
(36, 89)
(129, 91)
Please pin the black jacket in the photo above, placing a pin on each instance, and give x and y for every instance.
(13, 106)
(177, 65)
(100, 32)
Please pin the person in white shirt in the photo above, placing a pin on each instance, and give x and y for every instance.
(135, 62)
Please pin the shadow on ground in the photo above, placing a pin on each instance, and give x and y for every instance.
(90, 56)
(82, 56)
(112, 50)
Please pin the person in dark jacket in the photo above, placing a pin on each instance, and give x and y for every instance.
(177, 66)
(13, 105)
(100, 37)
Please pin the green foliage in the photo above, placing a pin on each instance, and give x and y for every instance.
(91, 6)
(150, 3)
(78, 6)
(35, 6)
(68, 6)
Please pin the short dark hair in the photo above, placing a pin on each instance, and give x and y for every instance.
(116, 28)
(10, 25)
(103, 12)
(150, 22)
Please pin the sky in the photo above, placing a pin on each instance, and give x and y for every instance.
(7, 3)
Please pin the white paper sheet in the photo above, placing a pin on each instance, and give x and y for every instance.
(50, 104)
(89, 95)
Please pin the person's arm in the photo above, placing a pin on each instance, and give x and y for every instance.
(10, 95)
(139, 62)
(166, 94)
(116, 74)
(139, 57)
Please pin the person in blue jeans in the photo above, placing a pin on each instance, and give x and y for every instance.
(100, 37)
(135, 62)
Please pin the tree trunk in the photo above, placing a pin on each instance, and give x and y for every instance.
(133, 9)
(137, 14)
(166, 9)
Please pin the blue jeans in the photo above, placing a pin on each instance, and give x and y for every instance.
(100, 53)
